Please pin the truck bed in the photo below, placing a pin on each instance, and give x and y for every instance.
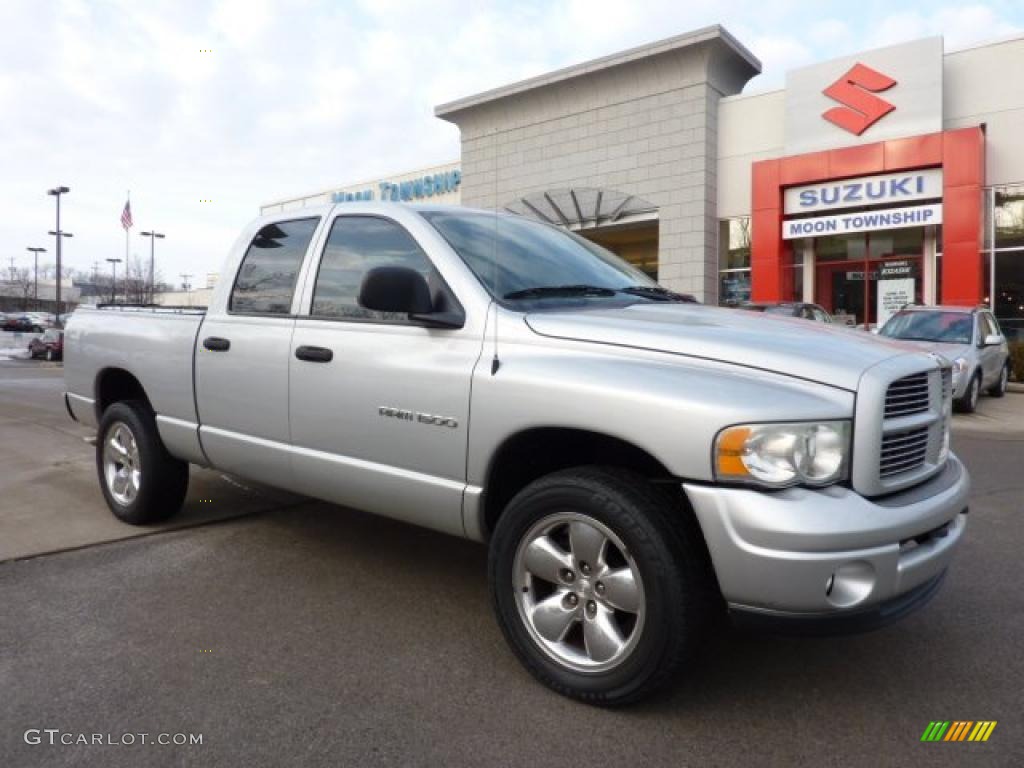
(156, 345)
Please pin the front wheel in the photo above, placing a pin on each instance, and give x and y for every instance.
(141, 482)
(969, 402)
(601, 584)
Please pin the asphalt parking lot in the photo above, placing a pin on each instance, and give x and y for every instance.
(287, 632)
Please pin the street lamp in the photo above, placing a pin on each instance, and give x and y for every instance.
(60, 238)
(57, 192)
(113, 279)
(35, 279)
(153, 235)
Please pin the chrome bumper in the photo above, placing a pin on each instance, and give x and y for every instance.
(808, 554)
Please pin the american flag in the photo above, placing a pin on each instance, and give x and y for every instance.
(126, 215)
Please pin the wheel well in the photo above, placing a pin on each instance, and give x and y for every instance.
(115, 385)
(534, 453)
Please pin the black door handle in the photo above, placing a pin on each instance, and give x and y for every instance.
(314, 354)
(216, 344)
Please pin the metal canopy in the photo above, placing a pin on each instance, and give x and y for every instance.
(581, 207)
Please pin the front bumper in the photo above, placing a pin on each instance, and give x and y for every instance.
(801, 556)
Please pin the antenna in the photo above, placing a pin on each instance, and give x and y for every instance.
(495, 361)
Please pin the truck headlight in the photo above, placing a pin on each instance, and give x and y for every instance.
(780, 455)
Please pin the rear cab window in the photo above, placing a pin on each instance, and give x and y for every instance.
(265, 284)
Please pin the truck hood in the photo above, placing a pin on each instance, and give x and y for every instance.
(828, 354)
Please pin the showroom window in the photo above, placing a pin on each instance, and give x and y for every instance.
(1006, 238)
(734, 261)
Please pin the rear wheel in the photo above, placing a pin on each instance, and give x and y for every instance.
(999, 388)
(141, 482)
(601, 584)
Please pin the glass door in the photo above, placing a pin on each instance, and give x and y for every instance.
(862, 279)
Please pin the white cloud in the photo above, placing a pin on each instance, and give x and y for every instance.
(959, 25)
(306, 94)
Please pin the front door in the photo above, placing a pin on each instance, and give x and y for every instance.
(867, 292)
(379, 403)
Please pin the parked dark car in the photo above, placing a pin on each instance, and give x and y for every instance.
(50, 345)
(22, 323)
(790, 309)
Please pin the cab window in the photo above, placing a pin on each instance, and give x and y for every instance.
(266, 278)
(356, 245)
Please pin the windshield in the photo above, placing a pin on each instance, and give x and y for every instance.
(942, 327)
(516, 259)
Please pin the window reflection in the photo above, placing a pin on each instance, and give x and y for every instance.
(356, 245)
(266, 278)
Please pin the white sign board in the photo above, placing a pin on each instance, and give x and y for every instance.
(893, 295)
(888, 188)
(886, 93)
(863, 221)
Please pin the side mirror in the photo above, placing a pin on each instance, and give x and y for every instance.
(405, 291)
(992, 340)
(395, 289)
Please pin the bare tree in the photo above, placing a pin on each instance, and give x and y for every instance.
(23, 283)
(135, 288)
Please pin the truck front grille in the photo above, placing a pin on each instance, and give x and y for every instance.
(907, 396)
(903, 451)
(902, 426)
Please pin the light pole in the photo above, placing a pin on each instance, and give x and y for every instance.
(35, 279)
(113, 279)
(60, 238)
(152, 235)
(57, 192)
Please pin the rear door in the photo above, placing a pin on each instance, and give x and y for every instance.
(380, 407)
(243, 354)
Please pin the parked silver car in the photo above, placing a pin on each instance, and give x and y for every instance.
(970, 337)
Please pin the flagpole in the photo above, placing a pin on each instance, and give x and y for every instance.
(127, 244)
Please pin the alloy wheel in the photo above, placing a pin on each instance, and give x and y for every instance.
(579, 592)
(122, 468)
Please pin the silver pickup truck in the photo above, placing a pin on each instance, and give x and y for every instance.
(637, 464)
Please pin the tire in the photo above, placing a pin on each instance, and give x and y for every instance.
(999, 388)
(141, 482)
(648, 532)
(969, 402)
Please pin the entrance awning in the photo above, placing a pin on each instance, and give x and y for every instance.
(583, 207)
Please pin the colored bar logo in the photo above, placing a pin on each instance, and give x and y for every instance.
(959, 730)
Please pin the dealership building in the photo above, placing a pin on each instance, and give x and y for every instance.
(890, 176)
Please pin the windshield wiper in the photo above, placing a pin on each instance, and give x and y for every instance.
(559, 290)
(657, 293)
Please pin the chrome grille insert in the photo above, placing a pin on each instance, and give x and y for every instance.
(903, 451)
(907, 396)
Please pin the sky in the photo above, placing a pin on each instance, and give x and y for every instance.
(205, 110)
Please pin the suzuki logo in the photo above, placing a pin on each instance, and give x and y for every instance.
(856, 92)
